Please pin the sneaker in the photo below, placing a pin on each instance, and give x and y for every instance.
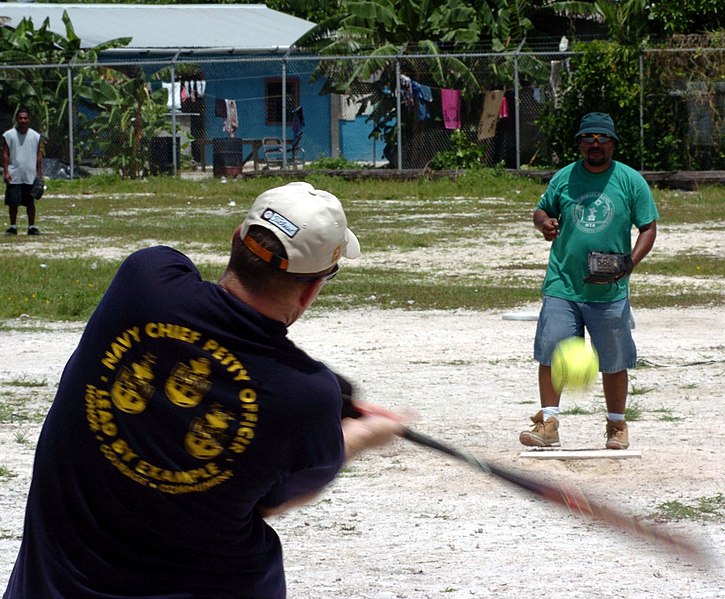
(33, 230)
(542, 434)
(11, 231)
(617, 436)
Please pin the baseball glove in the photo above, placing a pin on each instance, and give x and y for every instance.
(607, 268)
(36, 191)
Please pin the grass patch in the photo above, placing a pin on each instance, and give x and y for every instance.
(5, 472)
(635, 390)
(16, 398)
(700, 265)
(26, 382)
(633, 411)
(90, 225)
(576, 410)
(702, 509)
(666, 415)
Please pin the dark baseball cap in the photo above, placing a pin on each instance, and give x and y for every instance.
(597, 122)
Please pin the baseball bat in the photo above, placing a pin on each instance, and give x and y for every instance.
(559, 494)
(573, 499)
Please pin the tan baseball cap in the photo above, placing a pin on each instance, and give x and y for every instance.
(309, 222)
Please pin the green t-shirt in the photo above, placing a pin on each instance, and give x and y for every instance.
(596, 212)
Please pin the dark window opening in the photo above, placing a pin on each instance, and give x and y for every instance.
(273, 99)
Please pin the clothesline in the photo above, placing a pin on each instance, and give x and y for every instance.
(416, 94)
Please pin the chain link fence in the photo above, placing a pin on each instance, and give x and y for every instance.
(247, 114)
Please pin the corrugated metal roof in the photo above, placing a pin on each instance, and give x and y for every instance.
(169, 27)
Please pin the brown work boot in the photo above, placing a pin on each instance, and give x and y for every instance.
(617, 436)
(542, 434)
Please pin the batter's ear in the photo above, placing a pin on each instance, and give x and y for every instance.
(310, 292)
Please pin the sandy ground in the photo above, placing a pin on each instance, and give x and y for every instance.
(406, 522)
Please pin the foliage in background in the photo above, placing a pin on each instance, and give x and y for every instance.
(691, 16)
(684, 98)
(465, 154)
(125, 118)
(684, 93)
(601, 78)
(310, 10)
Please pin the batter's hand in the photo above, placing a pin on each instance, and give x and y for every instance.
(375, 427)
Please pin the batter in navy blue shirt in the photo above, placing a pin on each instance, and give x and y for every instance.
(183, 414)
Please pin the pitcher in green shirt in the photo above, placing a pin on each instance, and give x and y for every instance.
(590, 205)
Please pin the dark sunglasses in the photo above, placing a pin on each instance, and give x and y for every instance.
(600, 137)
(328, 277)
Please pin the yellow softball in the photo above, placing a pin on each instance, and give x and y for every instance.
(574, 365)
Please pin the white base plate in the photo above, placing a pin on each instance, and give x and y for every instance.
(580, 454)
(521, 316)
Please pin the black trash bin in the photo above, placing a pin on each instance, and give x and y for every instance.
(160, 157)
(228, 156)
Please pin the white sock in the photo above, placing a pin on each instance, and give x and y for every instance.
(551, 411)
(615, 417)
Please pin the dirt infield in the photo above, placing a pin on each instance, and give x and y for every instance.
(405, 522)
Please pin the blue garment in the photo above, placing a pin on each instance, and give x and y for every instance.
(424, 97)
(181, 410)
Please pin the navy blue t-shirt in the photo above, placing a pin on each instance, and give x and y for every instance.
(181, 410)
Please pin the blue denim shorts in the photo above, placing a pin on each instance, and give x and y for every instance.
(608, 324)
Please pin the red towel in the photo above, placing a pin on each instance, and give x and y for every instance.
(451, 103)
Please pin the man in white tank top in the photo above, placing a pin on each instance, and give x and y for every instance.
(22, 163)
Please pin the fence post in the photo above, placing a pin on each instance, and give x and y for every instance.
(70, 122)
(399, 126)
(284, 111)
(641, 109)
(517, 105)
(173, 113)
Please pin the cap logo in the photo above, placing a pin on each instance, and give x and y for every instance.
(279, 221)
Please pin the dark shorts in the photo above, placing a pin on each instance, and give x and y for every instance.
(18, 195)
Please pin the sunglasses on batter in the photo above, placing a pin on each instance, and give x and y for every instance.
(328, 277)
(600, 137)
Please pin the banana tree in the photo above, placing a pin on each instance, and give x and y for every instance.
(122, 117)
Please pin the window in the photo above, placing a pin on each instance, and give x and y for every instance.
(273, 99)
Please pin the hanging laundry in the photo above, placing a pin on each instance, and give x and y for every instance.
(348, 108)
(220, 108)
(174, 97)
(231, 123)
(451, 101)
(298, 117)
(489, 114)
(406, 92)
(298, 123)
(423, 97)
(504, 111)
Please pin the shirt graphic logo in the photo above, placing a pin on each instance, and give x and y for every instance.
(208, 427)
(593, 212)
